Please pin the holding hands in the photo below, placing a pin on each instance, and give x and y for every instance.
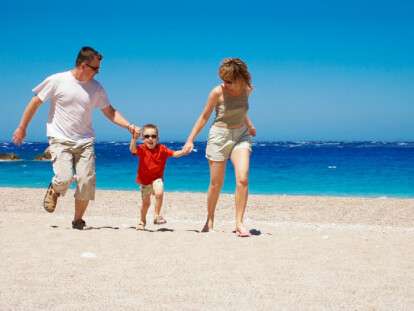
(188, 147)
(134, 130)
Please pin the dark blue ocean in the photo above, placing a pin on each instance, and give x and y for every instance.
(296, 168)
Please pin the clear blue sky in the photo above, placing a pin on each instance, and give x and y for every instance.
(322, 70)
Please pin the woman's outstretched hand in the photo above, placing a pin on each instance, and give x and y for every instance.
(188, 147)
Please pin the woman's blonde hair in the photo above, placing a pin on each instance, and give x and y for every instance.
(232, 69)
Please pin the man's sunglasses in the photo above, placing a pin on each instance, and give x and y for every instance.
(96, 69)
(152, 136)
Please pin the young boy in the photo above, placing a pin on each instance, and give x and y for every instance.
(152, 159)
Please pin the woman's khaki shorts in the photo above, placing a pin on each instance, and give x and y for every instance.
(222, 141)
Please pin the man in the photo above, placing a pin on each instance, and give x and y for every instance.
(73, 95)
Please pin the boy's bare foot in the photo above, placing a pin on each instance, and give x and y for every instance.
(141, 226)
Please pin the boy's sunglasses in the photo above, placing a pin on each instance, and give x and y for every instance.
(152, 136)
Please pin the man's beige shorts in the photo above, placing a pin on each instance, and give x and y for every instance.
(222, 141)
(147, 190)
(73, 162)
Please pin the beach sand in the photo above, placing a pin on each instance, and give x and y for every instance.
(307, 253)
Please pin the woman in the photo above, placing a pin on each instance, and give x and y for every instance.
(229, 137)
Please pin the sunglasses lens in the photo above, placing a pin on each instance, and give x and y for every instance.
(93, 67)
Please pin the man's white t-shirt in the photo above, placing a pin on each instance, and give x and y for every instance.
(72, 103)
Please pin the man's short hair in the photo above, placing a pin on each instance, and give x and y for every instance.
(87, 54)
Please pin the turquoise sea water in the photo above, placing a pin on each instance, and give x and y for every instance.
(308, 168)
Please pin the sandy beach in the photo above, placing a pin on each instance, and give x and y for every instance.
(306, 253)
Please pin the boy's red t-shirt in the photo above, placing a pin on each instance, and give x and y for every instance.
(151, 163)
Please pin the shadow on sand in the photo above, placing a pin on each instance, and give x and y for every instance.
(251, 231)
(150, 230)
(255, 232)
(90, 227)
(99, 228)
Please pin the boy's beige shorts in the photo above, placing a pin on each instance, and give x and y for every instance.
(73, 161)
(222, 141)
(149, 189)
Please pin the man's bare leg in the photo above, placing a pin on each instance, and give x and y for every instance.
(80, 208)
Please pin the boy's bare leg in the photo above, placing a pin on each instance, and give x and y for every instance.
(217, 170)
(80, 208)
(240, 159)
(145, 204)
(158, 187)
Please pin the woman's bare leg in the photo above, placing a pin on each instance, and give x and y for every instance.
(217, 170)
(241, 160)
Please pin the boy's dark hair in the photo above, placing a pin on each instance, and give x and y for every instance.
(150, 126)
(87, 54)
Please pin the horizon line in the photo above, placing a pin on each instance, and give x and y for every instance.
(254, 142)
